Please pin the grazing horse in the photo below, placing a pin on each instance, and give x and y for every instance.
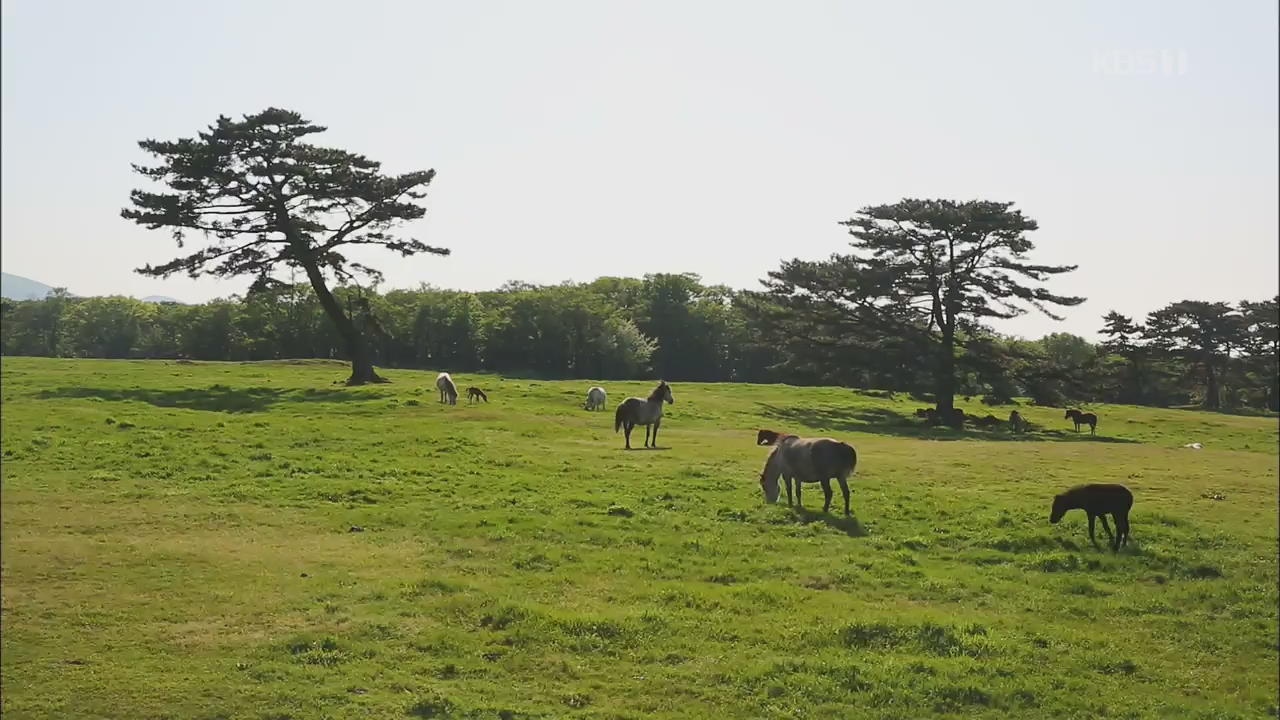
(475, 393)
(596, 399)
(1082, 418)
(1097, 500)
(448, 391)
(1016, 421)
(808, 460)
(633, 411)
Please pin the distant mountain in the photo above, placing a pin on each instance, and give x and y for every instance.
(162, 299)
(15, 287)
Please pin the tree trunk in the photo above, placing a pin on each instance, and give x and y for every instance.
(945, 383)
(361, 362)
(1211, 392)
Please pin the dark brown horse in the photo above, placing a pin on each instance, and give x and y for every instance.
(770, 437)
(475, 393)
(1082, 418)
(648, 412)
(1098, 500)
(808, 460)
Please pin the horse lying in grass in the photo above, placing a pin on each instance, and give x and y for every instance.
(1097, 500)
(770, 437)
(648, 412)
(1083, 418)
(807, 460)
(475, 393)
(448, 391)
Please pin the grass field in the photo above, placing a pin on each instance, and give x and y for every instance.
(177, 542)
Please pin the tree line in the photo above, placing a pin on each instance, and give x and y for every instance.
(676, 327)
(908, 307)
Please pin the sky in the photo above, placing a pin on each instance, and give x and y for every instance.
(578, 139)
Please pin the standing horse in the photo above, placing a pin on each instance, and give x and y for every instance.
(1097, 500)
(1082, 418)
(448, 391)
(475, 393)
(633, 411)
(1016, 422)
(596, 399)
(808, 460)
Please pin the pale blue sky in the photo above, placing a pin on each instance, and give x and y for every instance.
(575, 139)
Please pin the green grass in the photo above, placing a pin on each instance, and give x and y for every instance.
(177, 543)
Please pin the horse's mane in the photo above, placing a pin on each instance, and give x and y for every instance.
(657, 395)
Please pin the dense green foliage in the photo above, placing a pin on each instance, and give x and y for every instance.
(177, 543)
(669, 326)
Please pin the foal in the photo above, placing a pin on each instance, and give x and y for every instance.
(1097, 500)
(475, 393)
(1082, 418)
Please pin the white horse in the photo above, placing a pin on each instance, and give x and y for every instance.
(597, 399)
(633, 411)
(448, 391)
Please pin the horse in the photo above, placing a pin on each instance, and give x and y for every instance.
(448, 391)
(770, 437)
(633, 411)
(1083, 418)
(1016, 421)
(986, 422)
(596, 399)
(475, 393)
(808, 460)
(1097, 500)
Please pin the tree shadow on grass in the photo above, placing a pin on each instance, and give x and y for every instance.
(216, 398)
(882, 421)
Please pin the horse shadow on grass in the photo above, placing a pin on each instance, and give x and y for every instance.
(848, 525)
(882, 421)
(216, 398)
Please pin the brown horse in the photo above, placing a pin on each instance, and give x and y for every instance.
(1082, 418)
(770, 437)
(808, 460)
(1016, 421)
(648, 412)
(475, 393)
(1097, 500)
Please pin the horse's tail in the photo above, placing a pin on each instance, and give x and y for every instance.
(850, 458)
(617, 417)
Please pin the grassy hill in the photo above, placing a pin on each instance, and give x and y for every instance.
(204, 540)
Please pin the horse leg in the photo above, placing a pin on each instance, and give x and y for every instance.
(799, 502)
(1111, 538)
(788, 479)
(656, 424)
(826, 491)
(844, 490)
(626, 430)
(647, 429)
(1122, 527)
(1092, 539)
(1093, 429)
